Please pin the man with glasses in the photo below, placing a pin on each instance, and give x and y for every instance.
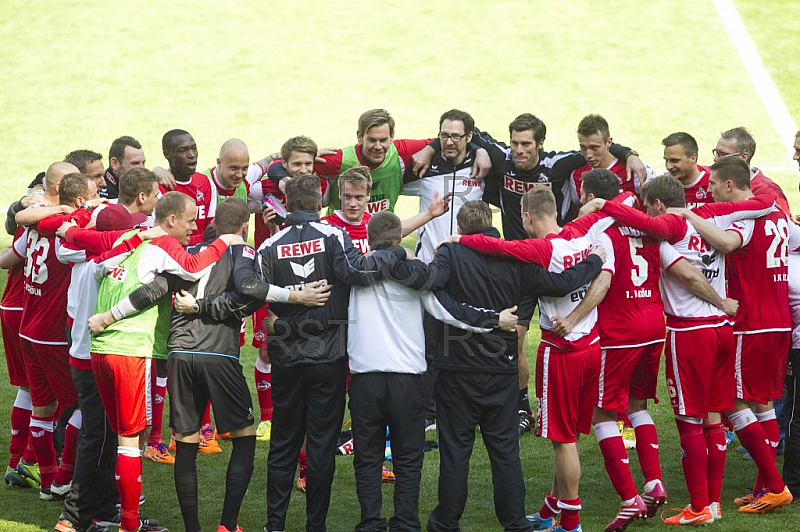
(739, 142)
(680, 156)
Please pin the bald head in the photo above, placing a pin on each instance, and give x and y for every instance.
(53, 176)
(233, 162)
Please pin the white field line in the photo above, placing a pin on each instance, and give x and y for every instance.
(762, 81)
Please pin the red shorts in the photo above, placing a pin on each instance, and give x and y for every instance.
(628, 371)
(49, 376)
(11, 320)
(566, 387)
(761, 365)
(700, 370)
(259, 333)
(126, 387)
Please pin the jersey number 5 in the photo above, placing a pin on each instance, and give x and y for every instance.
(640, 270)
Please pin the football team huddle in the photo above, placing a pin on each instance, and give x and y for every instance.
(128, 285)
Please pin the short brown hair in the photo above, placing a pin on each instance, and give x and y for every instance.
(527, 121)
(301, 144)
(601, 182)
(591, 124)
(117, 150)
(375, 118)
(232, 214)
(303, 193)
(73, 186)
(685, 140)
(82, 158)
(384, 228)
(744, 141)
(666, 189)
(134, 182)
(176, 203)
(732, 169)
(473, 215)
(539, 202)
(358, 176)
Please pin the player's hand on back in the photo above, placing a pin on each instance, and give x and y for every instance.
(561, 326)
(483, 163)
(730, 306)
(184, 302)
(313, 294)
(593, 206)
(233, 240)
(324, 152)
(683, 212)
(165, 177)
(634, 165)
(452, 239)
(61, 232)
(152, 232)
(99, 322)
(421, 160)
(600, 252)
(508, 320)
(93, 203)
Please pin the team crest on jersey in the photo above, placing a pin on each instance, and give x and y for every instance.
(304, 270)
(200, 196)
(701, 193)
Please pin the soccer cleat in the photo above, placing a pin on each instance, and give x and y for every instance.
(65, 525)
(29, 471)
(767, 501)
(14, 478)
(745, 499)
(223, 528)
(264, 430)
(301, 485)
(628, 513)
(541, 524)
(173, 447)
(387, 475)
(654, 498)
(222, 436)
(60, 491)
(526, 423)
(159, 453)
(208, 445)
(46, 495)
(715, 511)
(557, 528)
(430, 424)
(114, 521)
(145, 527)
(688, 517)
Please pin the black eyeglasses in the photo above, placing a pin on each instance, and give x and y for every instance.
(720, 153)
(455, 138)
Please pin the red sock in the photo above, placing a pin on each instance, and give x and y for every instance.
(42, 440)
(550, 507)
(65, 469)
(570, 513)
(159, 397)
(615, 459)
(646, 445)
(754, 439)
(301, 461)
(20, 431)
(726, 421)
(129, 484)
(30, 453)
(772, 430)
(717, 447)
(206, 416)
(694, 462)
(264, 392)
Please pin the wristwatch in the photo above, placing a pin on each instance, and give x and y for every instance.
(196, 308)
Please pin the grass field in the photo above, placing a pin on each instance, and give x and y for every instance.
(79, 74)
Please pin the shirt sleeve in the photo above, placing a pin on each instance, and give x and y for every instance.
(608, 246)
(536, 250)
(744, 228)
(668, 254)
(664, 227)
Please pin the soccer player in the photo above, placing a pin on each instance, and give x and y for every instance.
(568, 362)
(757, 264)
(42, 335)
(699, 345)
(125, 153)
(739, 142)
(631, 326)
(180, 150)
(123, 351)
(89, 163)
(680, 156)
(310, 373)
(595, 140)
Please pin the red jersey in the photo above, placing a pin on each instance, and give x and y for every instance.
(356, 232)
(617, 167)
(758, 275)
(761, 184)
(632, 313)
(15, 285)
(697, 193)
(47, 227)
(44, 314)
(202, 190)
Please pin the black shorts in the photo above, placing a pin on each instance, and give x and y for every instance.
(194, 379)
